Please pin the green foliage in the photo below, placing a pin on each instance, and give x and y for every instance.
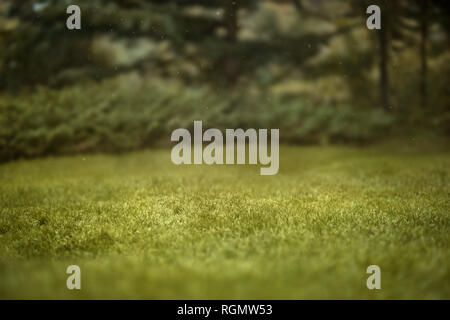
(141, 227)
(128, 113)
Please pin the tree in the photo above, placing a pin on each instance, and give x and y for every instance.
(422, 14)
(43, 51)
(32, 57)
(424, 25)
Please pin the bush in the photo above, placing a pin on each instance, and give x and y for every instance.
(127, 113)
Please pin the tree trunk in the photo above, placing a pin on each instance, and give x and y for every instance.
(384, 60)
(231, 68)
(423, 54)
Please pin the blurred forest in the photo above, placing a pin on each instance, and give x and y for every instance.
(138, 69)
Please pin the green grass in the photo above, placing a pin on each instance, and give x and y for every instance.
(141, 227)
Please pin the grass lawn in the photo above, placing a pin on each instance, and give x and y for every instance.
(140, 227)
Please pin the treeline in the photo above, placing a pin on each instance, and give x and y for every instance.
(309, 67)
(111, 117)
(212, 28)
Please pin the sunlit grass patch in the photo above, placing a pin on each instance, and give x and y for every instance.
(141, 227)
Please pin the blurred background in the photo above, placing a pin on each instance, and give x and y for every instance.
(139, 69)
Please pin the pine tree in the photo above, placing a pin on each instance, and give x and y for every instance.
(40, 46)
(40, 50)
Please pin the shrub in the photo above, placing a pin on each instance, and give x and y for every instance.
(127, 113)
